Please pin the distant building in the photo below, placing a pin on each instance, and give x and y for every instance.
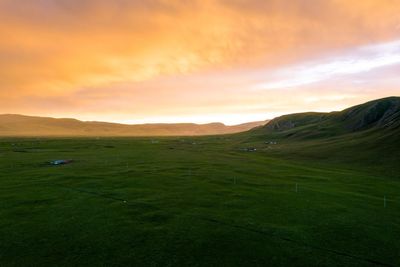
(271, 142)
(60, 161)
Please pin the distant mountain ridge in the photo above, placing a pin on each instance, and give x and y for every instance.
(376, 115)
(21, 125)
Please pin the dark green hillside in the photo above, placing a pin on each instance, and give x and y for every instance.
(382, 113)
(367, 135)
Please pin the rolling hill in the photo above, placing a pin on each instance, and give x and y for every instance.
(378, 115)
(366, 134)
(20, 125)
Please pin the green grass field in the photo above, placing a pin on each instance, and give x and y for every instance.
(200, 201)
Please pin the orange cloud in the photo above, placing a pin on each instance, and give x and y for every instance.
(57, 48)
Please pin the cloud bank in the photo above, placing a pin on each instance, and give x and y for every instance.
(55, 55)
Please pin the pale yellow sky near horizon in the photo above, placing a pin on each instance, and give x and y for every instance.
(231, 61)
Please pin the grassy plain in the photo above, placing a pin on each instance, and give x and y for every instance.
(200, 201)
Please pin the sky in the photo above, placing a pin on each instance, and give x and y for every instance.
(230, 61)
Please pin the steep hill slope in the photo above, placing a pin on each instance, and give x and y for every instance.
(381, 114)
(365, 135)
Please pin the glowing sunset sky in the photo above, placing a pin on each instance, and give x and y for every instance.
(195, 61)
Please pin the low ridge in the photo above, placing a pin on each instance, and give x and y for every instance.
(20, 125)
